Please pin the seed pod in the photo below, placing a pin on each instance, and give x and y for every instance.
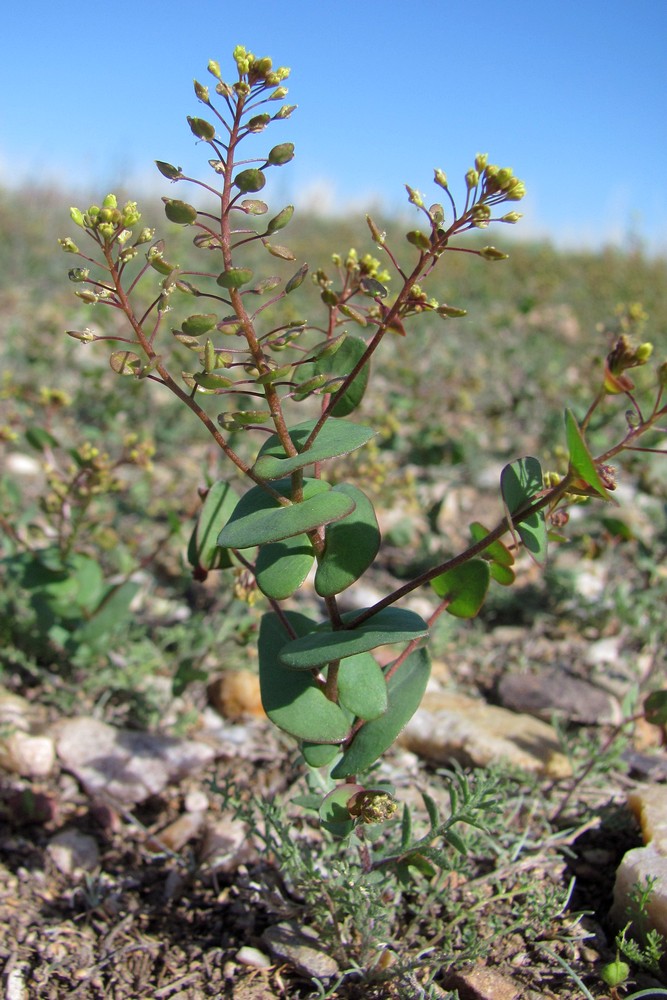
(235, 277)
(201, 128)
(252, 206)
(125, 363)
(280, 220)
(280, 154)
(168, 170)
(296, 279)
(418, 239)
(179, 212)
(277, 251)
(199, 324)
(251, 179)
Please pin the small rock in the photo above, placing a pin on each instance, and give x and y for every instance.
(649, 804)
(482, 983)
(74, 853)
(176, 835)
(450, 725)
(226, 845)
(253, 957)
(123, 765)
(555, 692)
(293, 945)
(196, 801)
(19, 713)
(236, 694)
(603, 651)
(30, 756)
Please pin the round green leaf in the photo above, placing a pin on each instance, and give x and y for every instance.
(342, 363)
(405, 691)
(258, 518)
(293, 700)
(205, 553)
(581, 460)
(351, 545)
(519, 482)
(319, 754)
(324, 645)
(362, 688)
(334, 810)
(465, 586)
(282, 567)
(496, 550)
(337, 437)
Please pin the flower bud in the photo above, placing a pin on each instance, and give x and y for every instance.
(284, 112)
(68, 245)
(278, 94)
(441, 178)
(76, 216)
(414, 196)
(145, 235)
(481, 161)
(202, 92)
(85, 336)
(504, 176)
(516, 191)
(110, 201)
(378, 237)
(643, 353)
(472, 179)
(214, 69)
(511, 217)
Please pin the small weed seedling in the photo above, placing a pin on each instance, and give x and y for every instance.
(291, 382)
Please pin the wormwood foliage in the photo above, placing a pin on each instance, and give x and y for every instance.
(293, 383)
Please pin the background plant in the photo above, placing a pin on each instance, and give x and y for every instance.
(266, 360)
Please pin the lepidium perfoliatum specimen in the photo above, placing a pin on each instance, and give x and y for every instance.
(295, 385)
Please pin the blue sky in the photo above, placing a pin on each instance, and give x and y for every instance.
(572, 95)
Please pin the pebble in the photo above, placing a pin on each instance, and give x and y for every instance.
(482, 983)
(235, 694)
(123, 765)
(29, 756)
(291, 944)
(176, 835)
(649, 804)
(450, 725)
(226, 845)
(554, 691)
(74, 853)
(253, 957)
